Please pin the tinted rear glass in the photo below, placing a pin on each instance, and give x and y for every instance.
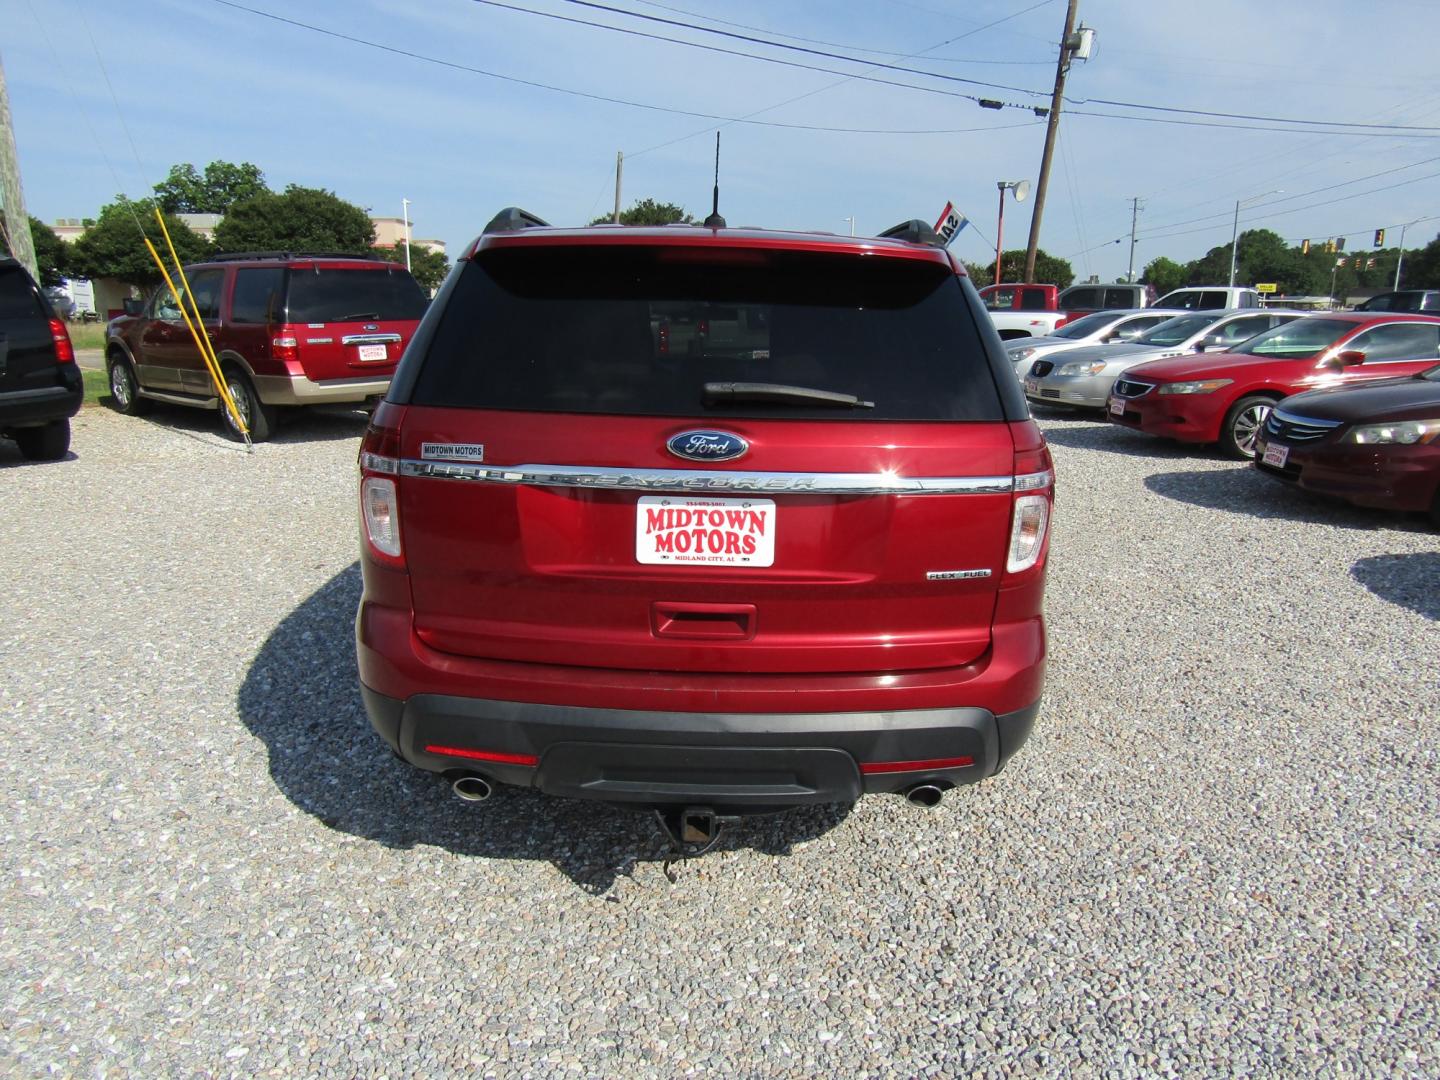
(332, 295)
(17, 298)
(641, 331)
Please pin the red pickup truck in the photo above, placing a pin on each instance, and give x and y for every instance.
(1024, 310)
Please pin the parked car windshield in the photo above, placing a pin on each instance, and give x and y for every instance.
(684, 332)
(1297, 339)
(1090, 324)
(334, 295)
(1178, 330)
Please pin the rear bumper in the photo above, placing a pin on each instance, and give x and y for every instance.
(27, 408)
(734, 761)
(299, 390)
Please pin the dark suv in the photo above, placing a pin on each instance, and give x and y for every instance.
(704, 517)
(1421, 300)
(40, 384)
(288, 329)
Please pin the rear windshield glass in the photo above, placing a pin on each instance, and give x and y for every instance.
(663, 332)
(1177, 330)
(332, 295)
(17, 298)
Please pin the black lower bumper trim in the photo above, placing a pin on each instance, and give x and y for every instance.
(734, 760)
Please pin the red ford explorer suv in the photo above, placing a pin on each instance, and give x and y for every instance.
(704, 518)
(1226, 397)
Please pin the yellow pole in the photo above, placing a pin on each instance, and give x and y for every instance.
(207, 351)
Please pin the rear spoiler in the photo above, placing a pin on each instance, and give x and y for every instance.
(914, 231)
(513, 219)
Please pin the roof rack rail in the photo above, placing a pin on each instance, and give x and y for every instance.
(243, 256)
(513, 219)
(915, 231)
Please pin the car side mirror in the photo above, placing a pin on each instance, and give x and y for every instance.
(1125, 334)
(1350, 357)
(1210, 341)
(131, 306)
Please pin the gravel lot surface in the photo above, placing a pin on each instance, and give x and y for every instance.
(1217, 855)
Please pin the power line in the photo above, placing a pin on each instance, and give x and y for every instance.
(754, 40)
(1302, 209)
(1244, 127)
(454, 66)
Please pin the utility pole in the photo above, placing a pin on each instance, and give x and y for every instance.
(405, 211)
(1134, 215)
(1401, 260)
(1052, 129)
(619, 172)
(15, 220)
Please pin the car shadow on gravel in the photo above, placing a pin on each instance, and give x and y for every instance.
(1245, 491)
(1409, 581)
(1115, 439)
(11, 458)
(300, 698)
(322, 423)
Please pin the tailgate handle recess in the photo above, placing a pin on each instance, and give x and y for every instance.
(707, 622)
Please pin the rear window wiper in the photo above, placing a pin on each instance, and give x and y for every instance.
(764, 391)
(355, 316)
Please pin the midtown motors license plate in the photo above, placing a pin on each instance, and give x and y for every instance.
(1117, 406)
(373, 352)
(1276, 455)
(709, 532)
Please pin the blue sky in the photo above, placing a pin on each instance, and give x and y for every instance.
(197, 80)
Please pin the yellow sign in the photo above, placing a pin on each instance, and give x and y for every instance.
(1268, 287)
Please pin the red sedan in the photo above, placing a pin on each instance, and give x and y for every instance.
(1225, 397)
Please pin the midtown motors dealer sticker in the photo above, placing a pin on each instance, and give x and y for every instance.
(712, 532)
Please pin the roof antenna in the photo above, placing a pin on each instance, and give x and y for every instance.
(715, 221)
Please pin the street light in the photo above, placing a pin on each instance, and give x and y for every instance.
(1235, 229)
(1021, 190)
(405, 212)
(851, 220)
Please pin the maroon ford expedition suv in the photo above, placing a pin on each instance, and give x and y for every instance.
(287, 329)
(704, 517)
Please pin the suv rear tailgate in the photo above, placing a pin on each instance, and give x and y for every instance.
(548, 572)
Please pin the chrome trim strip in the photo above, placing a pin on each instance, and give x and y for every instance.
(1305, 421)
(369, 339)
(687, 480)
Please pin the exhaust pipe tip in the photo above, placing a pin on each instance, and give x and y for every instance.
(926, 795)
(472, 788)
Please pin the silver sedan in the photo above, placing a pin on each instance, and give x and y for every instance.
(1082, 378)
(1097, 328)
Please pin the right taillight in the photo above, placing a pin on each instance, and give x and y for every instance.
(1030, 509)
(379, 482)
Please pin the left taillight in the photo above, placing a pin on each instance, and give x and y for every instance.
(1030, 513)
(380, 483)
(64, 350)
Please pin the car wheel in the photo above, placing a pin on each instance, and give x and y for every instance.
(124, 390)
(258, 417)
(1242, 423)
(48, 442)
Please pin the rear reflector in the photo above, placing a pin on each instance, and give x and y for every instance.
(64, 350)
(528, 760)
(916, 766)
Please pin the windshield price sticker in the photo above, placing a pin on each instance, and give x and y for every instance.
(707, 532)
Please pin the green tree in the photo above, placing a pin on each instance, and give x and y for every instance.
(1049, 269)
(223, 184)
(113, 248)
(52, 255)
(1421, 269)
(1164, 274)
(428, 267)
(300, 219)
(650, 212)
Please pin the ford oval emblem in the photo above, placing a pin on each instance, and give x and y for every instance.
(372, 326)
(707, 445)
